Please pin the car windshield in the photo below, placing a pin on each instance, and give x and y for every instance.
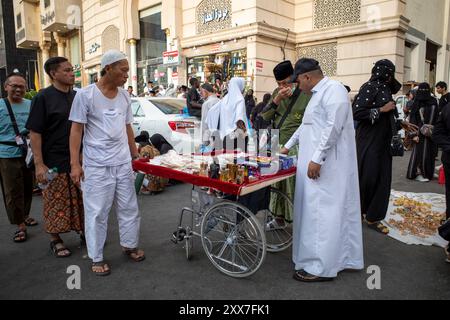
(169, 106)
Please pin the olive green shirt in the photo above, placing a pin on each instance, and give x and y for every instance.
(293, 120)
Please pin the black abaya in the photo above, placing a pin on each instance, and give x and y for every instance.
(373, 137)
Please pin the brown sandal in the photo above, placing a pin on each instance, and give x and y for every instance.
(134, 254)
(20, 236)
(378, 226)
(302, 275)
(101, 264)
(56, 251)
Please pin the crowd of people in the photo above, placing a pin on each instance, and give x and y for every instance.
(344, 152)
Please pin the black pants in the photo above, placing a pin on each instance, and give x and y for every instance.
(16, 181)
(447, 187)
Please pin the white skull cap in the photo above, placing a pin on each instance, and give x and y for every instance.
(112, 56)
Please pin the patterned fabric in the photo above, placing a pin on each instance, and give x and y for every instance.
(63, 206)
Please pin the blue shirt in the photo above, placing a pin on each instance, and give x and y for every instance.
(7, 134)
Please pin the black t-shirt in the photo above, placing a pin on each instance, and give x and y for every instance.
(49, 116)
(443, 101)
(193, 96)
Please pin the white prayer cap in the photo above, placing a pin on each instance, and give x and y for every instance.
(112, 56)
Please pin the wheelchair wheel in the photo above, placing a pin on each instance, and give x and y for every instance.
(277, 238)
(233, 239)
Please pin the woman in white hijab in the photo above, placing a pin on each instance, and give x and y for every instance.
(229, 117)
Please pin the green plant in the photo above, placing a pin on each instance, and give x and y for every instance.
(30, 94)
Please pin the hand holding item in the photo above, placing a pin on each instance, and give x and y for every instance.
(409, 127)
(284, 150)
(284, 93)
(416, 139)
(41, 173)
(77, 174)
(388, 107)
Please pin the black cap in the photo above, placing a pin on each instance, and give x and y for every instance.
(283, 70)
(304, 65)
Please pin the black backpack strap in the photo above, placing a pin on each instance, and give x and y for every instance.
(11, 115)
(295, 97)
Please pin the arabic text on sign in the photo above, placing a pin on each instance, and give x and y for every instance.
(214, 15)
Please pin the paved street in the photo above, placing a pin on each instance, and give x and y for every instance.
(29, 271)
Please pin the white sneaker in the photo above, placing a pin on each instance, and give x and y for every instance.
(420, 178)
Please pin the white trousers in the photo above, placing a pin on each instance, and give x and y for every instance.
(102, 187)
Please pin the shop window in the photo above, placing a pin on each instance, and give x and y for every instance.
(19, 21)
(223, 66)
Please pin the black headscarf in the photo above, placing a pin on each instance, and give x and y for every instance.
(383, 72)
(423, 94)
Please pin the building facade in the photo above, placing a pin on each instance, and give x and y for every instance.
(172, 40)
(11, 57)
(52, 28)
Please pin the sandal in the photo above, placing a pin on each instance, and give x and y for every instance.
(56, 251)
(302, 275)
(20, 236)
(30, 222)
(134, 254)
(103, 265)
(378, 226)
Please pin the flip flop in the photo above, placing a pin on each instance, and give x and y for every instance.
(106, 269)
(135, 251)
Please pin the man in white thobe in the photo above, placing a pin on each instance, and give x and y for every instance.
(103, 113)
(327, 217)
(207, 92)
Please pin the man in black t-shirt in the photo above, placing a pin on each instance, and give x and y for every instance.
(441, 88)
(50, 129)
(193, 99)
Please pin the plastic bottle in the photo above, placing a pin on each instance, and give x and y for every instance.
(51, 174)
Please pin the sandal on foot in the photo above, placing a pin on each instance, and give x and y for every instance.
(302, 275)
(30, 222)
(134, 254)
(103, 265)
(56, 251)
(20, 236)
(378, 226)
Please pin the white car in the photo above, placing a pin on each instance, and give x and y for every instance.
(165, 116)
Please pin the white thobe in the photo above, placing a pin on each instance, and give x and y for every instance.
(327, 216)
(210, 102)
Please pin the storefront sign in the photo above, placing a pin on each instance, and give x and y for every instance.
(215, 48)
(213, 15)
(174, 75)
(171, 57)
(259, 66)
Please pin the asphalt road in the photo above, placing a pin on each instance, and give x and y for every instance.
(29, 271)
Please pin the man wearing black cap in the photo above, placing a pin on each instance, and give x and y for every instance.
(327, 235)
(285, 109)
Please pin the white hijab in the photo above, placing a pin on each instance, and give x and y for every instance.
(231, 109)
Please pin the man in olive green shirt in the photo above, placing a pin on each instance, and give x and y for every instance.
(278, 106)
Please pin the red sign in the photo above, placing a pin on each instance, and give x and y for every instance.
(215, 47)
(170, 57)
(259, 64)
(174, 74)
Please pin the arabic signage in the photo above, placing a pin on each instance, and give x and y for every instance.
(171, 57)
(48, 17)
(213, 15)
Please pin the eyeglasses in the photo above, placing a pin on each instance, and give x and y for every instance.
(15, 87)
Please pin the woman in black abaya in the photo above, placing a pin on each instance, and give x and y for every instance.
(424, 111)
(373, 110)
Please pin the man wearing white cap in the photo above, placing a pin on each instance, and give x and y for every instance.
(103, 112)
